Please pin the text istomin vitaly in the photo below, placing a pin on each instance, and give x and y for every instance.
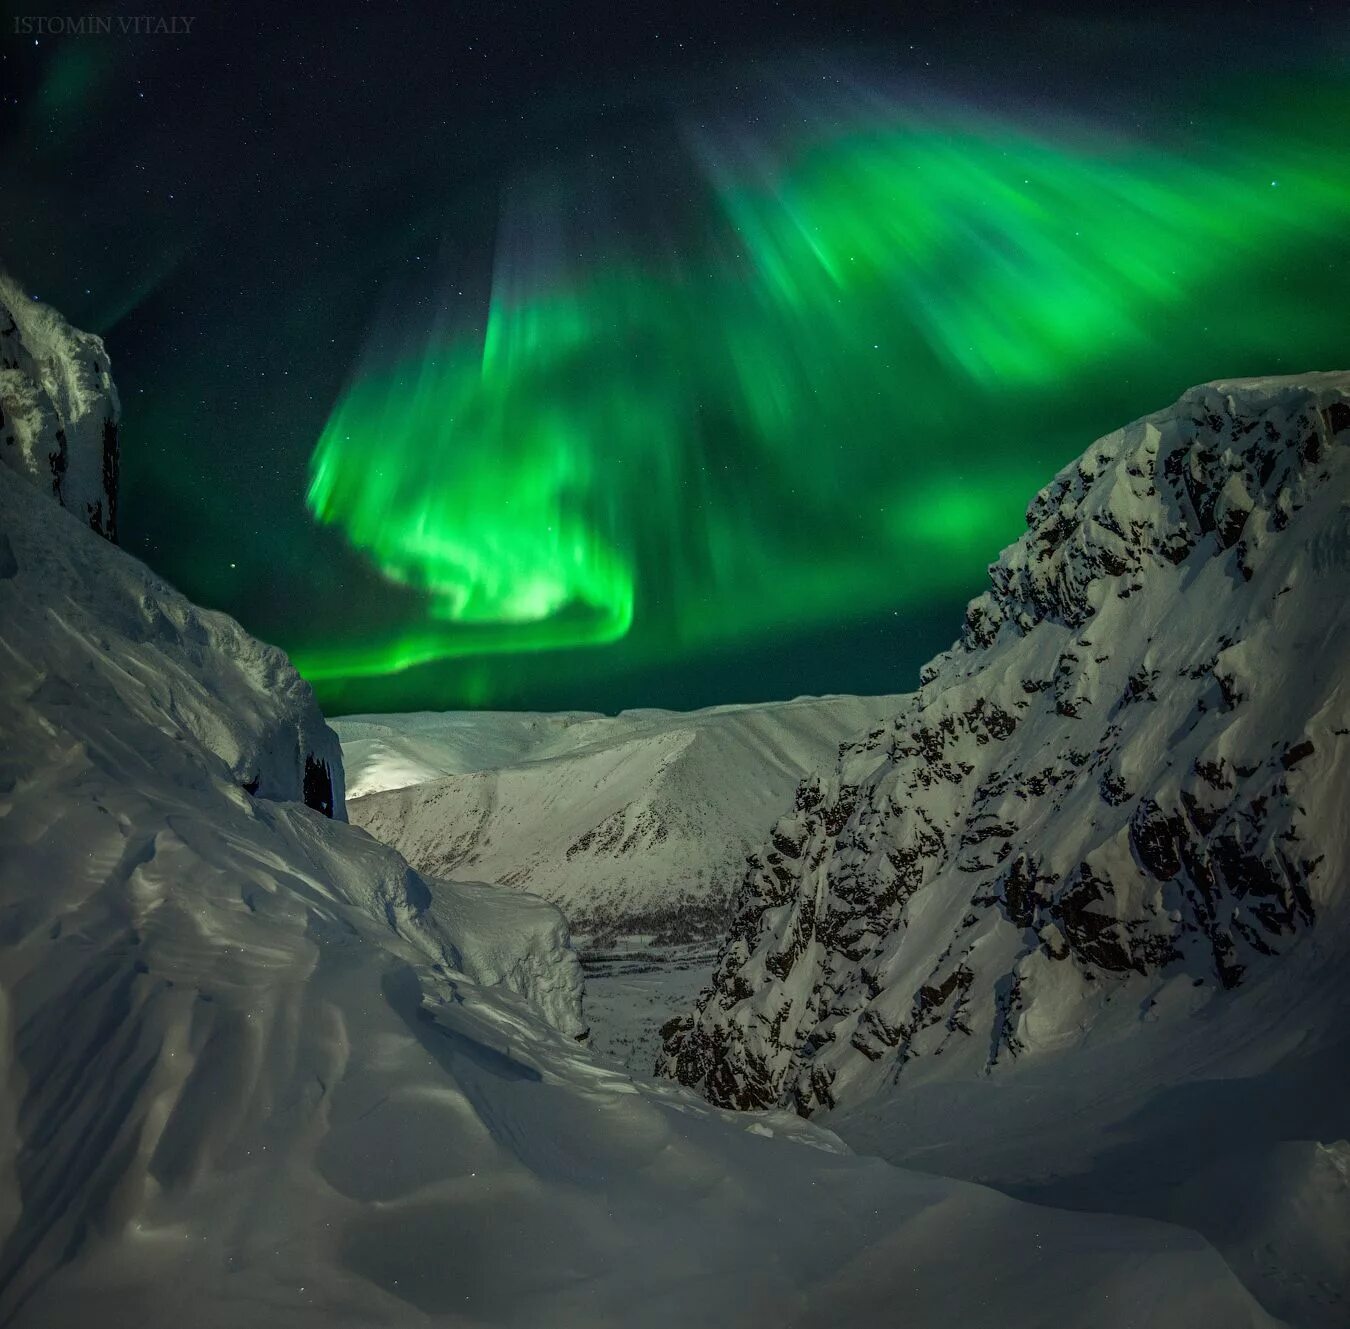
(102, 25)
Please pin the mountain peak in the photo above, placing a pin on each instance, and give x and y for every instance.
(59, 411)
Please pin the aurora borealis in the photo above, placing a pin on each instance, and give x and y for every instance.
(829, 389)
(560, 357)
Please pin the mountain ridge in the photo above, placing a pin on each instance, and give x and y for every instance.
(607, 817)
(963, 877)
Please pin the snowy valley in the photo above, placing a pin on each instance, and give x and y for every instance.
(1035, 996)
(635, 826)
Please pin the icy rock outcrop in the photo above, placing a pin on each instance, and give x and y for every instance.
(59, 411)
(1131, 767)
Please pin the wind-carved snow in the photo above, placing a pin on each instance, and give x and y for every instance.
(517, 940)
(58, 408)
(245, 1074)
(1100, 852)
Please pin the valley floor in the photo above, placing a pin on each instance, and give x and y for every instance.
(632, 989)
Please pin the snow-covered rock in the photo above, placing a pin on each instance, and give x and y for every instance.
(1120, 795)
(633, 824)
(88, 625)
(58, 408)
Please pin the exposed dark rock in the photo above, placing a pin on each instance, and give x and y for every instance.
(1295, 753)
(318, 785)
(59, 461)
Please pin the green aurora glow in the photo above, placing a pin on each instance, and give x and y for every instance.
(828, 391)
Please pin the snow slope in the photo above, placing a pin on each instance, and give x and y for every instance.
(246, 1078)
(1074, 921)
(58, 408)
(632, 824)
(516, 940)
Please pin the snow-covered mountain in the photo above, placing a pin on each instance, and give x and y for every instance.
(1097, 863)
(631, 824)
(59, 411)
(394, 751)
(256, 1069)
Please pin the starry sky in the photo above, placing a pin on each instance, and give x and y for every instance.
(586, 355)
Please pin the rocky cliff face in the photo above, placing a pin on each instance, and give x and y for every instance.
(1119, 795)
(59, 411)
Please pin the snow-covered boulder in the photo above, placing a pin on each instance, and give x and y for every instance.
(1120, 795)
(58, 408)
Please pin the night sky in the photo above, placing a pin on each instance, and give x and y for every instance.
(600, 355)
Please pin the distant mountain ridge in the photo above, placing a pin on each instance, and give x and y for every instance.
(631, 824)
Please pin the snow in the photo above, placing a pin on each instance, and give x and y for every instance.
(58, 408)
(634, 825)
(393, 751)
(515, 939)
(93, 629)
(1231, 1125)
(248, 1076)
(633, 988)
